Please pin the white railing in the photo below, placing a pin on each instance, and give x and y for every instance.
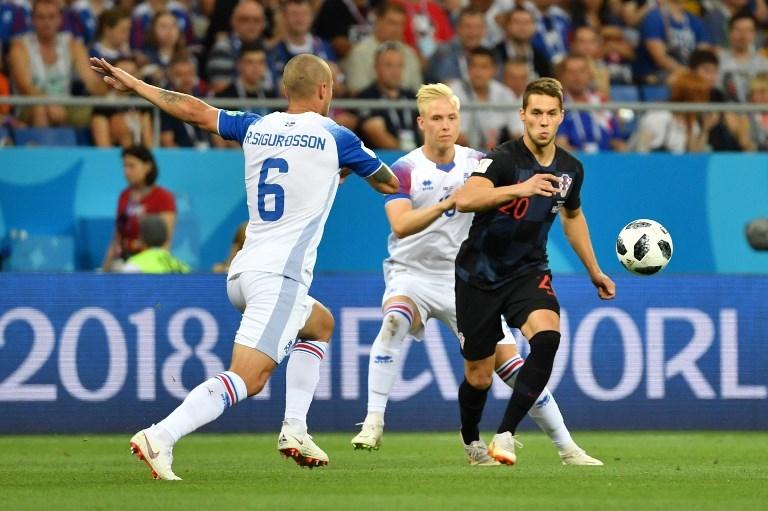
(362, 104)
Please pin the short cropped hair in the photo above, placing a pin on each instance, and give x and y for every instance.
(303, 74)
(545, 87)
(153, 230)
(433, 91)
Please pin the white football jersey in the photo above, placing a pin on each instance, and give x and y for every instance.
(292, 166)
(423, 182)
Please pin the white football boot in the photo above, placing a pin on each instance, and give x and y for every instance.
(370, 435)
(502, 448)
(575, 455)
(149, 448)
(301, 448)
(477, 454)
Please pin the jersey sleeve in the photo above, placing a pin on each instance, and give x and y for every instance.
(652, 26)
(402, 169)
(353, 153)
(491, 167)
(233, 125)
(574, 198)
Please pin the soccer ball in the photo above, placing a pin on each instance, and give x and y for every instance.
(644, 247)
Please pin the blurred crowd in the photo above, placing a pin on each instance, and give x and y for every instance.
(486, 50)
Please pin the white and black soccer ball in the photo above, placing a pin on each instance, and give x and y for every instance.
(644, 247)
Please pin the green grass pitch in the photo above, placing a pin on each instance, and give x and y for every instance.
(648, 470)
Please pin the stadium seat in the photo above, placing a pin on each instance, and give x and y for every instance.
(654, 93)
(42, 253)
(625, 93)
(46, 137)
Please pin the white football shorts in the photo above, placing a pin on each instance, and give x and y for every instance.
(434, 297)
(274, 309)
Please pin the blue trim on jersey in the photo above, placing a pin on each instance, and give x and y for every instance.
(233, 125)
(294, 265)
(445, 167)
(394, 196)
(352, 152)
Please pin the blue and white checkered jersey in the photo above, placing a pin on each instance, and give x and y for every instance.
(292, 166)
(431, 252)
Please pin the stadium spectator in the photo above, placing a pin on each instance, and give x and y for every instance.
(389, 128)
(112, 35)
(142, 197)
(592, 13)
(84, 14)
(253, 80)
(182, 77)
(449, 61)
(426, 25)
(717, 19)
(519, 30)
(121, 126)
(484, 129)
(678, 132)
(248, 23)
(742, 62)
(618, 55)
(13, 22)
(633, 13)
(162, 44)
(585, 130)
(46, 62)
(343, 23)
(389, 25)
(154, 257)
(731, 132)
(585, 43)
(669, 35)
(516, 75)
(552, 28)
(297, 17)
(758, 121)
(145, 13)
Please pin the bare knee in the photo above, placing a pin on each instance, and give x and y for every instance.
(480, 377)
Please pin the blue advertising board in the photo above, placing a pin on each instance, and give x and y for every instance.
(114, 353)
(693, 195)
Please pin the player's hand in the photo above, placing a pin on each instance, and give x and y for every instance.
(343, 173)
(545, 185)
(448, 203)
(606, 288)
(114, 76)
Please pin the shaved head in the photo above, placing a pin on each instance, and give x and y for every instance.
(303, 74)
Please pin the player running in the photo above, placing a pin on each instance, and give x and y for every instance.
(292, 162)
(502, 266)
(419, 273)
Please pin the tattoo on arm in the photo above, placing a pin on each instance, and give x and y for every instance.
(171, 97)
(383, 175)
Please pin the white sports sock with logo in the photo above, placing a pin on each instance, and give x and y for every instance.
(384, 361)
(203, 404)
(544, 411)
(301, 378)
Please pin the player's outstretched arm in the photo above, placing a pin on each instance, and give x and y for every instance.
(577, 232)
(405, 220)
(384, 180)
(182, 106)
(479, 193)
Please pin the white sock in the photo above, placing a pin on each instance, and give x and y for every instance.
(544, 411)
(301, 378)
(384, 361)
(203, 404)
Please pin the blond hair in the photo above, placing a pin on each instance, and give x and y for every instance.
(433, 91)
(303, 74)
